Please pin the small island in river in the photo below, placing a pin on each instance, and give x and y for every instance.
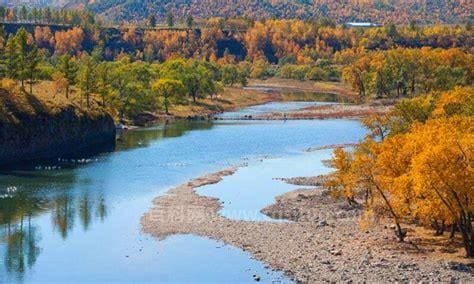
(322, 243)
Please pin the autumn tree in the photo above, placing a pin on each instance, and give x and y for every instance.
(442, 174)
(69, 41)
(421, 172)
(44, 37)
(408, 72)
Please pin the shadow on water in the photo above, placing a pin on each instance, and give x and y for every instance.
(40, 187)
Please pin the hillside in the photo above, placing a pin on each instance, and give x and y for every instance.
(378, 11)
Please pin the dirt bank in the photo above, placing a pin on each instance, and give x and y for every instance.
(33, 128)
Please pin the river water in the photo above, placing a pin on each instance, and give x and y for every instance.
(78, 220)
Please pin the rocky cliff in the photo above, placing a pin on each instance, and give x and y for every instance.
(31, 129)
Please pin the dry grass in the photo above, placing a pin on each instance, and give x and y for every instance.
(43, 100)
(337, 88)
(423, 241)
(231, 98)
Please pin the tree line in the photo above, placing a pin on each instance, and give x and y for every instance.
(272, 40)
(46, 15)
(302, 50)
(403, 72)
(123, 85)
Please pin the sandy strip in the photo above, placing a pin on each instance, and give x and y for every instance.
(334, 111)
(324, 243)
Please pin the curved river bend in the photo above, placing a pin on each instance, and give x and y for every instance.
(78, 221)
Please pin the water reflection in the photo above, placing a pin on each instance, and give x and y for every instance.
(19, 206)
(16, 230)
(52, 187)
(142, 137)
(22, 249)
(63, 214)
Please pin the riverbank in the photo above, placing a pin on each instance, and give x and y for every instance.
(256, 93)
(260, 92)
(33, 127)
(232, 98)
(323, 243)
(289, 85)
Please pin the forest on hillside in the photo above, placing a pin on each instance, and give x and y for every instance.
(376, 11)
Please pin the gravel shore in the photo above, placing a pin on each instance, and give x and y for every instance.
(331, 111)
(322, 243)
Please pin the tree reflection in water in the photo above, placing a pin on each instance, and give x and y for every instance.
(18, 233)
(19, 207)
(37, 192)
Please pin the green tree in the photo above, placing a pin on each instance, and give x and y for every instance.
(23, 13)
(207, 84)
(87, 77)
(33, 60)
(3, 12)
(120, 81)
(3, 36)
(68, 68)
(469, 26)
(47, 15)
(392, 32)
(170, 19)
(189, 21)
(230, 75)
(35, 15)
(21, 39)
(11, 58)
(104, 80)
(169, 90)
(131, 84)
(152, 21)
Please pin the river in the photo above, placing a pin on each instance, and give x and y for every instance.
(78, 220)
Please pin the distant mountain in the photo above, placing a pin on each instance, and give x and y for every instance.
(377, 11)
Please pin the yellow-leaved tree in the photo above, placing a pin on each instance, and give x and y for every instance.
(422, 171)
(443, 174)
